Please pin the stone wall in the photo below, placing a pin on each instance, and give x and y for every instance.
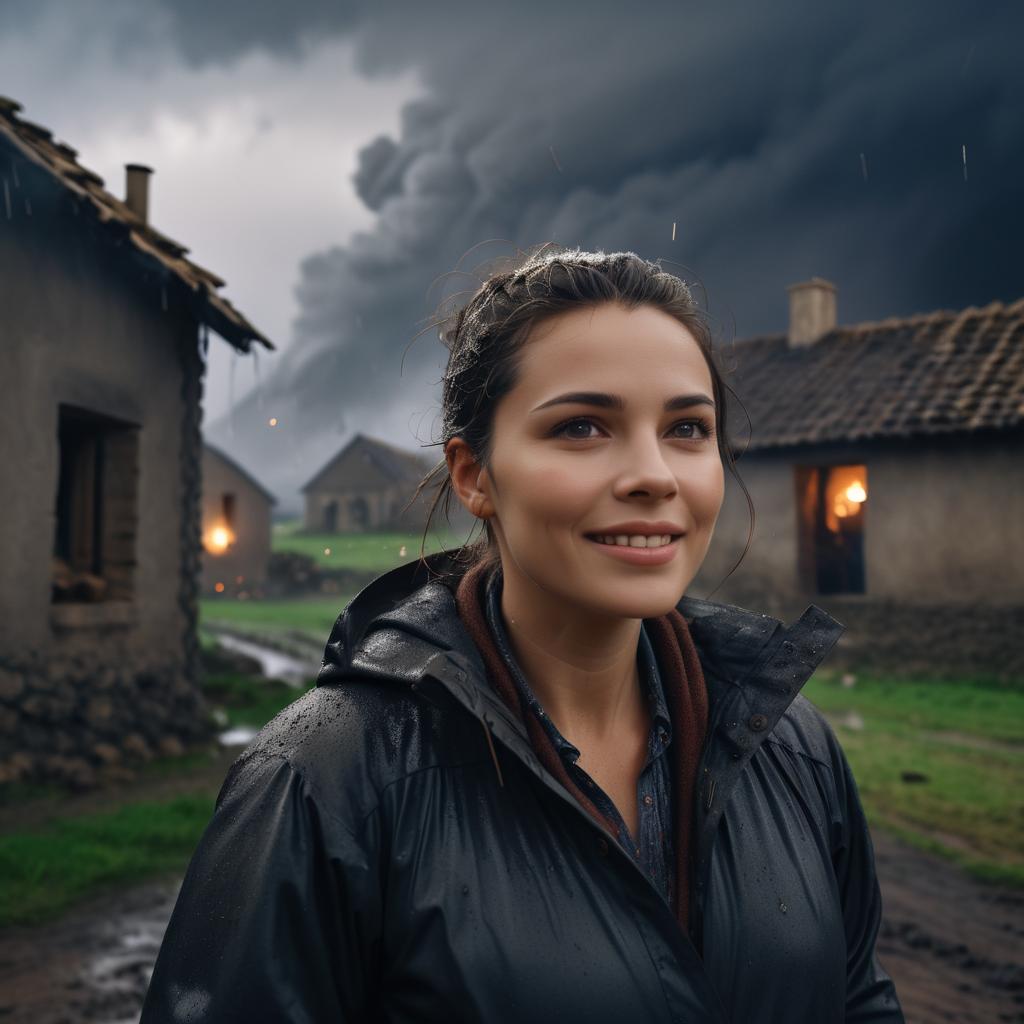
(968, 640)
(68, 726)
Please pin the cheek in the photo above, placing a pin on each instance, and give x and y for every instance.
(705, 492)
(551, 491)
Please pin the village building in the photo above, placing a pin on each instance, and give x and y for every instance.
(886, 466)
(105, 332)
(236, 523)
(365, 487)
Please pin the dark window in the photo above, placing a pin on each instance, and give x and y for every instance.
(95, 511)
(331, 517)
(831, 507)
(359, 513)
(227, 511)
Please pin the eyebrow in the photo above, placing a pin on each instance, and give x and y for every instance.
(599, 398)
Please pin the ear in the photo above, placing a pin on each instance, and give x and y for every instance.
(468, 479)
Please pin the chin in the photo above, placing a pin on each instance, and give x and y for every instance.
(646, 601)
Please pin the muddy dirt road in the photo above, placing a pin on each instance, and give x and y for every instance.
(955, 948)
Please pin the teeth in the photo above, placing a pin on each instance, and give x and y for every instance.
(636, 540)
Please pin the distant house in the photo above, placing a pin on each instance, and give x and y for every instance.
(886, 465)
(236, 526)
(365, 487)
(104, 334)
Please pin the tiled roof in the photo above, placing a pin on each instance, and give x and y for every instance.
(933, 373)
(36, 145)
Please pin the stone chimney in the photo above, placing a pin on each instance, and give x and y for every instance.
(136, 190)
(812, 310)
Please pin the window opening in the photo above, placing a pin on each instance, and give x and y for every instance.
(831, 503)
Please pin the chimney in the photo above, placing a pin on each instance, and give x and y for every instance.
(812, 310)
(136, 190)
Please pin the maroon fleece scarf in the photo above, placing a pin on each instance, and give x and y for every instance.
(685, 695)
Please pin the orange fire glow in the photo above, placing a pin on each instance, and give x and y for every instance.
(219, 539)
(845, 494)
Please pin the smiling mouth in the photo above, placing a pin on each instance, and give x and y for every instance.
(646, 543)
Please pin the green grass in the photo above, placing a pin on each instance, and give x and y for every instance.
(367, 552)
(248, 701)
(44, 871)
(966, 737)
(314, 615)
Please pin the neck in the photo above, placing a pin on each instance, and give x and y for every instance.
(582, 668)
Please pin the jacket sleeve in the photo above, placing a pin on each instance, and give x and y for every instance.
(870, 993)
(278, 916)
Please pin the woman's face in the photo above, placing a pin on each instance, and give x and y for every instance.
(563, 470)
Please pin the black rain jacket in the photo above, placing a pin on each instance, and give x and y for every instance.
(389, 848)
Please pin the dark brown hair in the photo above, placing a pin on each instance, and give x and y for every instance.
(484, 338)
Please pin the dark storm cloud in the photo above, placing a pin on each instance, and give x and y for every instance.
(784, 140)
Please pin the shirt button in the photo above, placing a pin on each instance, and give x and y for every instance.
(648, 800)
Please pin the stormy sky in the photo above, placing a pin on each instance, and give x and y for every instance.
(337, 162)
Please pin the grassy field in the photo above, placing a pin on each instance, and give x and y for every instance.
(312, 617)
(43, 871)
(966, 739)
(369, 552)
(47, 868)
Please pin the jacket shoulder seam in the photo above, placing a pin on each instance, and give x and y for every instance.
(322, 808)
(420, 771)
(774, 740)
(314, 791)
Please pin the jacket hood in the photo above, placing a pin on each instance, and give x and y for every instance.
(404, 626)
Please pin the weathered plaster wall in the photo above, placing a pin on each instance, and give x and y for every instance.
(944, 552)
(91, 683)
(249, 555)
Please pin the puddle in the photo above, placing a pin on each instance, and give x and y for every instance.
(238, 736)
(275, 664)
(114, 983)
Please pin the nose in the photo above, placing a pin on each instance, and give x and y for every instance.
(646, 471)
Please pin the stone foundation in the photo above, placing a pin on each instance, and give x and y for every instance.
(941, 642)
(63, 727)
(920, 641)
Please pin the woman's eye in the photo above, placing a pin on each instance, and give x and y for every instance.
(695, 429)
(562, 430)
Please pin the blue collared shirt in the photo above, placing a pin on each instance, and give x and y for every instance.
(653, 848)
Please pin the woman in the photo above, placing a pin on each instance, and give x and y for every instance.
(535, 782)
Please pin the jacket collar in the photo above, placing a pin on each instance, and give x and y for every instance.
(404, 627)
